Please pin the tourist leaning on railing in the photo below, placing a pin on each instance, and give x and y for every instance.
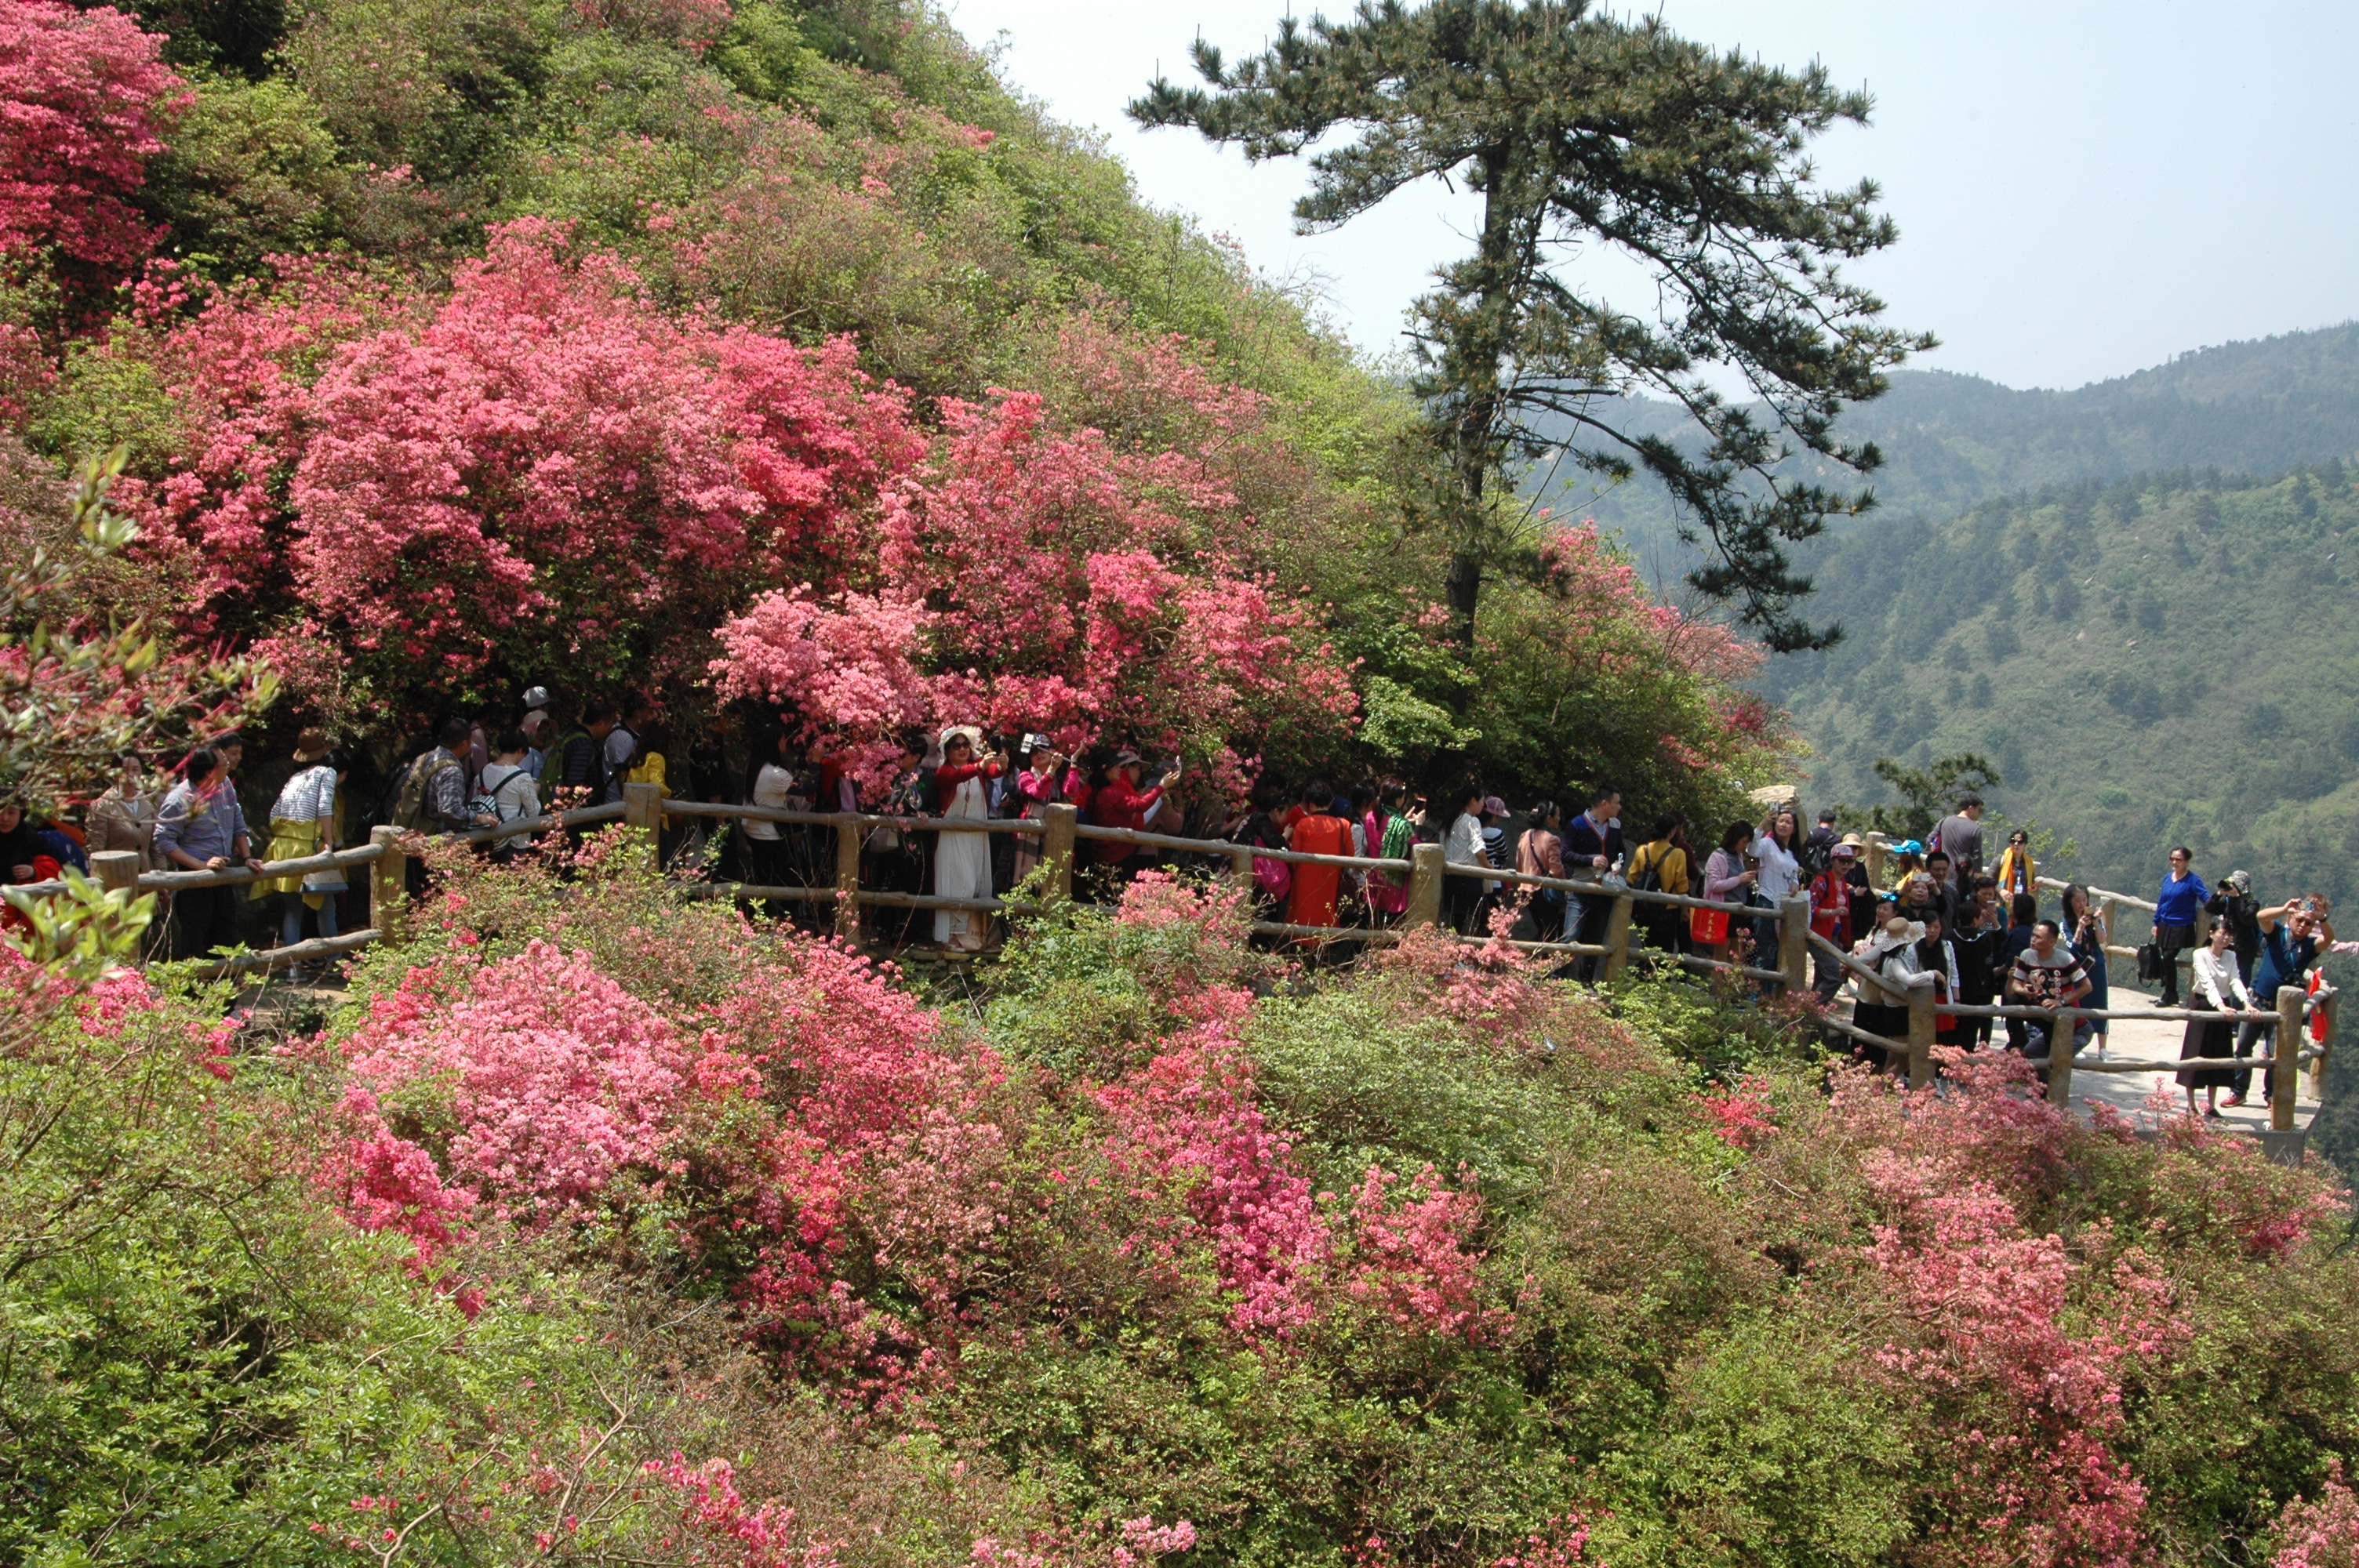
(2048, 975)
(2292, 936)
(199, 828)
(2214, 985)
(302, 824)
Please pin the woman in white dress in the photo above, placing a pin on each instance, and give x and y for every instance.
(963, 861)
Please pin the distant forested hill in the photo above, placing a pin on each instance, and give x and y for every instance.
(1950, 442)
(2148, 661)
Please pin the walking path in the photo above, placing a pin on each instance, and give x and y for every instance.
(2158, 1040)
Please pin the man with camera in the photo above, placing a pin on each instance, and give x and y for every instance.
(2050, 975)
(2293, 935)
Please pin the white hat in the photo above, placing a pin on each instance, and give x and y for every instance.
(536, 697)
(1899, 933)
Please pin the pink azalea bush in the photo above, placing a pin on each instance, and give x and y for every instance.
(539, 1077)
(85, 98)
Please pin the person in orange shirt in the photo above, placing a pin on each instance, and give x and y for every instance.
(1318, 832)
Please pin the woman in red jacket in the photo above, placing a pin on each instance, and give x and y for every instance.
(1120, 803)
(1318, 832)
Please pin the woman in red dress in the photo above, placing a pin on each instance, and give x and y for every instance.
(1318, 832)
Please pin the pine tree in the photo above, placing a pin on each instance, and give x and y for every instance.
(1581, 131)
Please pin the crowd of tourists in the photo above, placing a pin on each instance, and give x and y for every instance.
(1945, 908)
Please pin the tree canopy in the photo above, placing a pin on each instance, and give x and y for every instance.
(1581, 131)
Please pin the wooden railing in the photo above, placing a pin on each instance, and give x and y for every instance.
(1060, 832)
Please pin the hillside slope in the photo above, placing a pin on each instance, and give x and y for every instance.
(1950, 442)
(2150, 662)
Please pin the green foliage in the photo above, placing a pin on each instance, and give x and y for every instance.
(1362, 1077)
(251, 171)
(1773, 1451)
(2230, 730)
(1560, 117)
(78, 686)
(1926, 794)
(83, 932)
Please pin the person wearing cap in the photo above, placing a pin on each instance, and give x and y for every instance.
(1120, 803)
(535, 706)
(1891, 952)
(2234, 906)
(1861, 891)
(302, 824)
(1830, 913)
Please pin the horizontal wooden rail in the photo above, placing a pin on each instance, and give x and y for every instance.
(272, 957)
(1895, 990)
(271, 869)
(1696, 961)
(1591, 888)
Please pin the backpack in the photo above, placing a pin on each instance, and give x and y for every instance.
(552, 768)
(1816, 858)
(1650, 878)
(409, 809)
(488, 792)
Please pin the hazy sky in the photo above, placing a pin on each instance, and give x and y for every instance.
(2083, 189)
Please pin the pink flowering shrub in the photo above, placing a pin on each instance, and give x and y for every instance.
(84, 100)
(548, 464)
(1187, 1123)
(536, 1079)
(2321, 1532)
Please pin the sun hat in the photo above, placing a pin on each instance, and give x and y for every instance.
(1899, 933)
(1494, 806)
(1845, 850)
(311, 744)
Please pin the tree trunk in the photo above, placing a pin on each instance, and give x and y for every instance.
(1463, 583)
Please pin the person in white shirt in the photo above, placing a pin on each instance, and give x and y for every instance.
(771, 784)
(2217, 986)
(1463, 846)
(508, 791)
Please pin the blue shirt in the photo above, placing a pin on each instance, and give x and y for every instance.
(2282, 960)
(198, 826)
(2179, 899)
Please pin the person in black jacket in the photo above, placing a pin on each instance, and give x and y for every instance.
(1592, 846)
(2236, 907)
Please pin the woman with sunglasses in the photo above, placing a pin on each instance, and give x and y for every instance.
(2016, 873)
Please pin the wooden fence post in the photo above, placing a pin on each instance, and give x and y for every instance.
(1920, 1030)
(388, 878)
(1618, 936)
(2063, 1035)
(2285, 1057)
(1794, 942)
(2317, 1068)
(1056, 848)
(1424, 886)
(643, 809)
(1877, 845)
(1241, 867)
(115, 869)
(847, 878)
